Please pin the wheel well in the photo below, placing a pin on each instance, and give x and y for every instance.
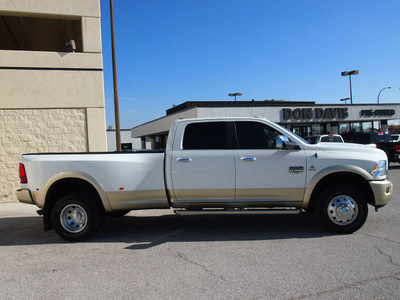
(347, 178)
(65, 187)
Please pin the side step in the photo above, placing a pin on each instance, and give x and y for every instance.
(272, 211)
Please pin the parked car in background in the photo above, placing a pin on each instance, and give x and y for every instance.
(330, 138)
(382, 141)
(395, 137)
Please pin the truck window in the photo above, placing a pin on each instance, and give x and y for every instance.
(332, 139)
(209, 135)
(254, 135)
(312, 140)
(380, 137)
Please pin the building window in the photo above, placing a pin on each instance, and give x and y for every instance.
(367, 127)
(376, 126)
(344, 128)
(318, 129)
(301, 129)
(126, 146)
(40, 34)
(356, 127)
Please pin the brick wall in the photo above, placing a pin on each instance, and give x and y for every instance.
(36, 130)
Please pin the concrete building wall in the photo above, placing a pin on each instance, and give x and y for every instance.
(51, 96)
(87, 8)
(36, 130)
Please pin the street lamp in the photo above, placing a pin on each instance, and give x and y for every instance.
(349, 73)
(234, 95)
(345, 100)
(388, 87)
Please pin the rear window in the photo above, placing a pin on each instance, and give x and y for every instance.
(332, 139)
(380, 138)
(361, 138)
(209, 135)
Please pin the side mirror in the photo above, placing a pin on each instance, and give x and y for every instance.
(282, 142)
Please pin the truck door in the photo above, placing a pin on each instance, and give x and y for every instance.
(265, 174)
(202, 166)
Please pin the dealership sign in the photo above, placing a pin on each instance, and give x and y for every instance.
(315, 113)
(378, 113)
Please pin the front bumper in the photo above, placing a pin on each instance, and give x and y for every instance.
(25, 196)
(383, 192)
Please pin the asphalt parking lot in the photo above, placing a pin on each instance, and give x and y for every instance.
(157, 255)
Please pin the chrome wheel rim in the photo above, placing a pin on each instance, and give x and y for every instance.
(73, 218)
(342, 210)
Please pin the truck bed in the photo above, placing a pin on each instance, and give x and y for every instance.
(128, 179)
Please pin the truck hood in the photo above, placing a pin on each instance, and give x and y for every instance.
(369, 150)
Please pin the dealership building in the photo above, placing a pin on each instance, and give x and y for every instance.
(304, 118)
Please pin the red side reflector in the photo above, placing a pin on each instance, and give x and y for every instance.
(22, 174)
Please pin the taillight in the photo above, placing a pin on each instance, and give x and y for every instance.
(398, 148)
(22, 174)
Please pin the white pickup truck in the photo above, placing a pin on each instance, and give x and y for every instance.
(210, 166)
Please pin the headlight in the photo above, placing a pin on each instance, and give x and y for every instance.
(380, 169)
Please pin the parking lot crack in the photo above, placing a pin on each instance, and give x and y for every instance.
(322, 294)
(382, 238)
(389, 257)
(210, 272)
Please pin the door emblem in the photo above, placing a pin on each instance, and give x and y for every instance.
(296, 169)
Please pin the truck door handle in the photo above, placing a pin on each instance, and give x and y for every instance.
(247, 159)
(184, 159)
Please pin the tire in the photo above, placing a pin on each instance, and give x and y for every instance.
(117, 213)
(76, 217)
(342, 209)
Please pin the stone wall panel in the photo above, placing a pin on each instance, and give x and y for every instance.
(36, 130)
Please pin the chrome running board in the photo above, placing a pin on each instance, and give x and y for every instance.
(244, 211)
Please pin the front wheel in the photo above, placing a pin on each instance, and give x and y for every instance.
(76, 217)
(342, 209)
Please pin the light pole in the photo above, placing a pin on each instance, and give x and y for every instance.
(388, 87)
(349, 73)
(345, 100)
(116, 99)
(234, 95)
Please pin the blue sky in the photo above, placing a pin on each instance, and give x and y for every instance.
(169, 52)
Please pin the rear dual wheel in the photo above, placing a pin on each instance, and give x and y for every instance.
(76, 217)
(342, 209)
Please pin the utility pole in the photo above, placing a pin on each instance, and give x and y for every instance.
(114, 63)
